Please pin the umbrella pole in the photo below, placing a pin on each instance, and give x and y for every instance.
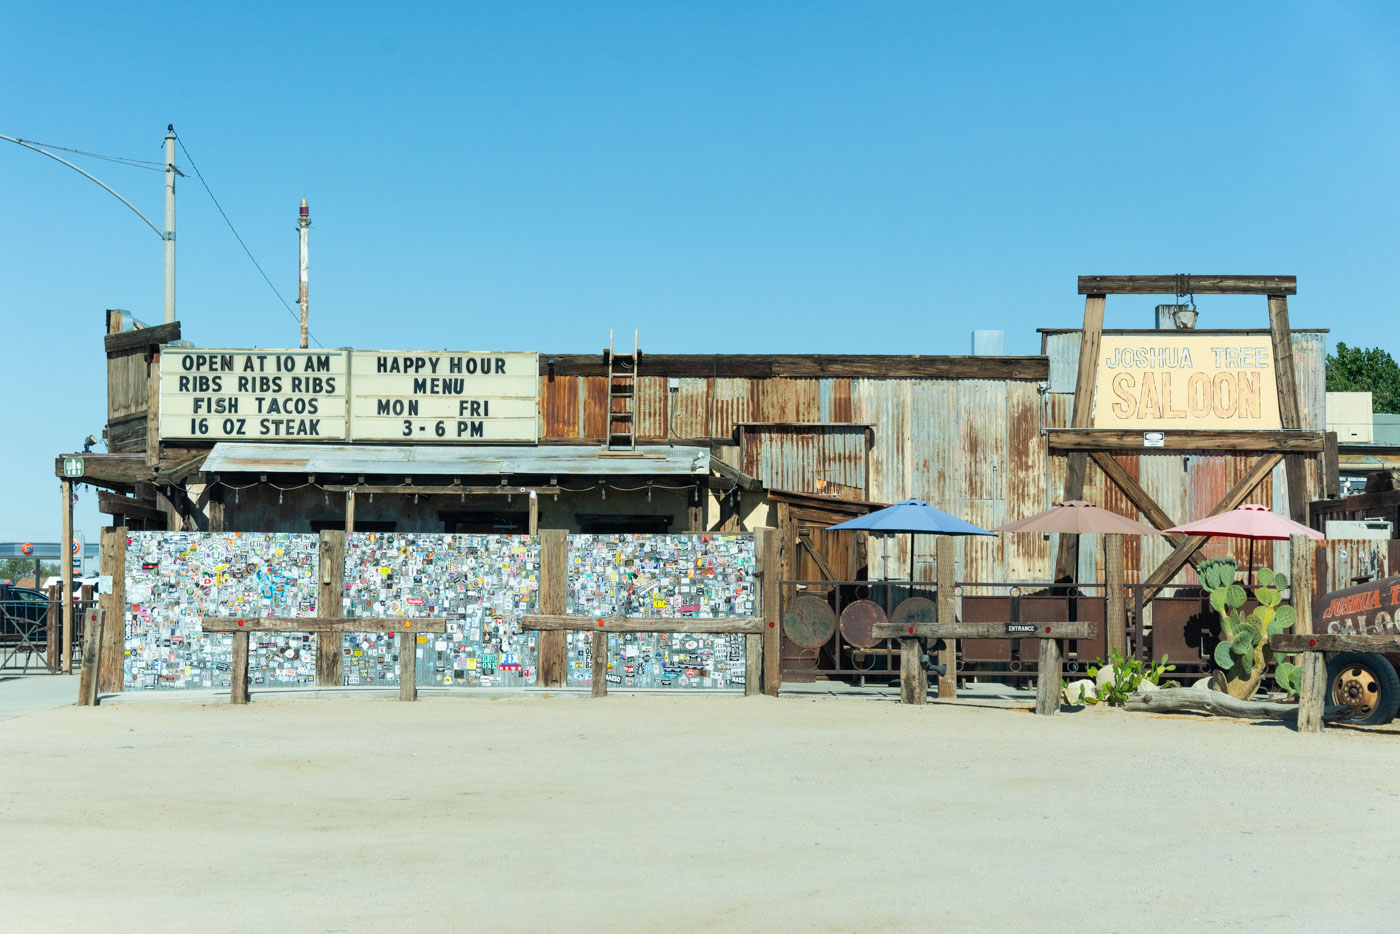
(912, 539)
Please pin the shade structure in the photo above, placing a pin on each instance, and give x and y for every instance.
(1077, 517)
(1250, 521)
(912, 516)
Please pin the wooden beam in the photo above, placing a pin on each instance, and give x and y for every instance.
(1288, 408)
(92, 658)
(735, 475)
(237, 624)
(1290, 643)
(913, 680)
(431, 489)
(1114, 439)
(1091, 338)
(957, 629)
(115, 505)
(1327, 466)
(1312, 685)
(767, 548)
(142, 338)
(1188, 546)
(102, 469)
(551, 647)
(947, 605)
(238, 672)
(743, 625)
(112, 649)
(807, 366)
(330, 596)
(1198, 285)
(408, 666)
(598, 650)
(1139, 497)
(1116, 602)
(1049, 673)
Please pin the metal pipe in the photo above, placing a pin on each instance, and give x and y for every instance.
(303, 224)
(169, 223)
(89, 176)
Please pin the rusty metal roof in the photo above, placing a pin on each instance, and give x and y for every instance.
(445, 460)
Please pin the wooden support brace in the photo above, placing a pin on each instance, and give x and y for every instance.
(92, 658)
(554, 586)
(408, 666)
(946, 571)
(1067, 558)
(1115, 594)
(753, 664)
(238, 675)
(767, 546)
(329, 604)
(913, 680)
(1312, 692)
(1047, 678)
(600, 664)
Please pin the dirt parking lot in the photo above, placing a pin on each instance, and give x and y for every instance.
(658, 813)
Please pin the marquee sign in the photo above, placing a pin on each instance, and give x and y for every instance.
(344, 395)
(1169, 380)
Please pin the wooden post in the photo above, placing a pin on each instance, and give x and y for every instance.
(1327, 467)
(600, 664)
(1047, 678)
(92, 658)
(1288, 409)
(913, 680)
(947, 611)
(349, 511)
(408, 664)
(238, 683)
(1116, 603)
(112, 648)
(1312, 686)
(554, 590)
(1067, 560)
(66, 488)
(753, 665)
(534, 513)
(769, 604)
(330, 596)
(54, 620)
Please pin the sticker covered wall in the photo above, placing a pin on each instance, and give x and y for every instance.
(175, 578)
(483, 583)
(708, 576)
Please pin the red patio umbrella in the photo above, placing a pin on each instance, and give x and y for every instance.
(1250, 521)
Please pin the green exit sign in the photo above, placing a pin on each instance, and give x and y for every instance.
(72, 466)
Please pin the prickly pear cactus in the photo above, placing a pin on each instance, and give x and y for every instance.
(1243, 652)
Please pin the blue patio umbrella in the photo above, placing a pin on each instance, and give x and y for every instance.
(911, 517)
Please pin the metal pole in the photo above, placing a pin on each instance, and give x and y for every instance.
(303, 223)
(169, 223)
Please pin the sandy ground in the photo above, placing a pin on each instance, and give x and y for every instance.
(661, 813)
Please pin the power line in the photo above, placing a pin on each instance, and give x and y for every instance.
(200, 176)
(121, 160)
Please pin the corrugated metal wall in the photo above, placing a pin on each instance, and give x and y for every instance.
(799, 457)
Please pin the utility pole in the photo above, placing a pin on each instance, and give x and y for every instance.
(303, 223)
(169, 223)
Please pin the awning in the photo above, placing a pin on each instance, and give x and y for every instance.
(459, 461)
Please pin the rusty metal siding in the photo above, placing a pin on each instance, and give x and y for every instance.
(1063, 351)
(732, 404)
(559, 408)
(797, 458)
(651, 408)
(690, 409)
(1310, 368)
(785, 400)
(836, 400)
(594, 402)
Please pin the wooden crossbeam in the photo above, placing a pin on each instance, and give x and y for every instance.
(1198, 285)
(745, 625)
(928, 629)
(1238, 442)
(319, 624)
(115, 505)
(1290, 642)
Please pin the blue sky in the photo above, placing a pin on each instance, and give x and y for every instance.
(808, 177)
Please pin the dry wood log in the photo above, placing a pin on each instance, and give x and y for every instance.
(1223, 705)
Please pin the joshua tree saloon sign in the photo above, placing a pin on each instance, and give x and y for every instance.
(1165, 380)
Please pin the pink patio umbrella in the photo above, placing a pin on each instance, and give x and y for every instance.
(1250, 521)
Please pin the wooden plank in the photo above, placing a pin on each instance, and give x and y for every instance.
(1187, 549)
(1300, 581)
(599, 651)
(1199, 285)
(1049, 673)
(1091, 338)
(349, 511)
(92, 641)
(554, 589)
(238, 673)
(153, 410)
(913, 680)
(330, 597)
(557, 623)
(408, 666)
(807, 366)
(1075, 629)
(1114, 439)
(237, 624)
(767, 547)
(534, 526)
(115, 505)
(753, 664)
(1289, 412)
(1139, 497)
(142, 338)
(946, 583)
(112, 560)
(1116, 599)
(1292, 643)
(1312, 692)
(66, 504)
(53, 658)
(1327, 466)
(125, 470)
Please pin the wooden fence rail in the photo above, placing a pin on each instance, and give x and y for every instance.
(751, 628)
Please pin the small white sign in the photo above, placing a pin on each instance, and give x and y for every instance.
(1154, 439)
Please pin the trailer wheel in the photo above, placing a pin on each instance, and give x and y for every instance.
(1365, 682)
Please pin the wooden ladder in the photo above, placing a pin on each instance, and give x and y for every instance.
(622, 396)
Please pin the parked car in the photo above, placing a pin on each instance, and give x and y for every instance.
(23, 612)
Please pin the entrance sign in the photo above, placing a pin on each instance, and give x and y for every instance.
(297, 395)
(444, 397)
(1167, 380)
